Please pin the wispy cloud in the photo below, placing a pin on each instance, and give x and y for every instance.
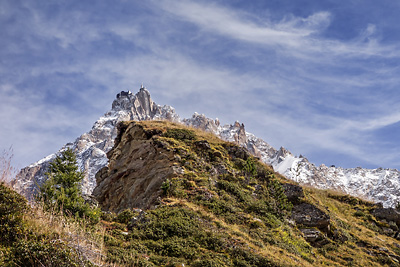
(288, 32)
(285, 77)
(298, 35)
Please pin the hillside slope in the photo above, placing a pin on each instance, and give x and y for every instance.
(192, 199)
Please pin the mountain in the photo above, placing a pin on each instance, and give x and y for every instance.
(91, 147)
(188, 198)
(173, 195)
(378, 185)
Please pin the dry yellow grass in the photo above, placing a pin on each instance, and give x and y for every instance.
(89, 243)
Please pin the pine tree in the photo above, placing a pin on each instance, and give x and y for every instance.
(61, 192)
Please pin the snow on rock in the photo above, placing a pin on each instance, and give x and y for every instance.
(378, 185)
(91, 147)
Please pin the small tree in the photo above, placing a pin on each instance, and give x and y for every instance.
(61, 192)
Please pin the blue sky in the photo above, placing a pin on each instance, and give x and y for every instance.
(320, 78)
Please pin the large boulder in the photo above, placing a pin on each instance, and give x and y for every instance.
(310, 216)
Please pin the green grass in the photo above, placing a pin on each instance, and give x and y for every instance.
(225, 209)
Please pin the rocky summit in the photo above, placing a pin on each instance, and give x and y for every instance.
(378, 185)
(91, 147)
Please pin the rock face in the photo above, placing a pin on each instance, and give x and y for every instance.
(378, 185)
(136, 170)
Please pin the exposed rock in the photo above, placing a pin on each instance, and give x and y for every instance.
(89, 199)
(237, 152)
(137, 168)
(203, 144)
(315, 237)
(388, 214)
(309, 215)
(293, 192)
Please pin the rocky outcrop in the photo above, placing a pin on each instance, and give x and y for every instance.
(315, 237)
(312, 222)
(310, 216)
(387, 214)
(137, 168)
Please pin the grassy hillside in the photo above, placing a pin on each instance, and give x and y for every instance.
(221, 207)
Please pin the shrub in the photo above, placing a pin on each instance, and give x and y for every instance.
(125, 216)
(166, 187)
(12, 208)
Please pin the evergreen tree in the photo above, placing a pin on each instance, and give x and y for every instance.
(61, 192)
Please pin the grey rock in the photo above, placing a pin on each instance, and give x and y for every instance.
(309, 215)
(388, 214)
(293, 192)
(315, 237)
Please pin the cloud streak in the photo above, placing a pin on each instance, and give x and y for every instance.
(287, 78)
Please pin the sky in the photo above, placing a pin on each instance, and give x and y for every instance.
(318, 77)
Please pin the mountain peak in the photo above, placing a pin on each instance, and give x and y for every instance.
(91, 148)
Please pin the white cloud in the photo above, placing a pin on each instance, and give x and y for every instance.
(288, 32)
(294, 69)
(295, 35)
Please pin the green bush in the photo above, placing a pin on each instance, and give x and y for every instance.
(166, 187)
(125, 216)
(12, 208)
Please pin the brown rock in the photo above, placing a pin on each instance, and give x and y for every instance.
(137, 168)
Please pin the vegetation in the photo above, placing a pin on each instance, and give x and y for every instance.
(30, 237)
(225, 209)
(61, 192)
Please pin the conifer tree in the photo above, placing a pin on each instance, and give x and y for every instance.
(61, 192)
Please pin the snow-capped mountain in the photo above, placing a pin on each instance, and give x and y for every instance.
(379, 185)
(91, 147)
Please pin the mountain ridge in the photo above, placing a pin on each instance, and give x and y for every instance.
(378, 185)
